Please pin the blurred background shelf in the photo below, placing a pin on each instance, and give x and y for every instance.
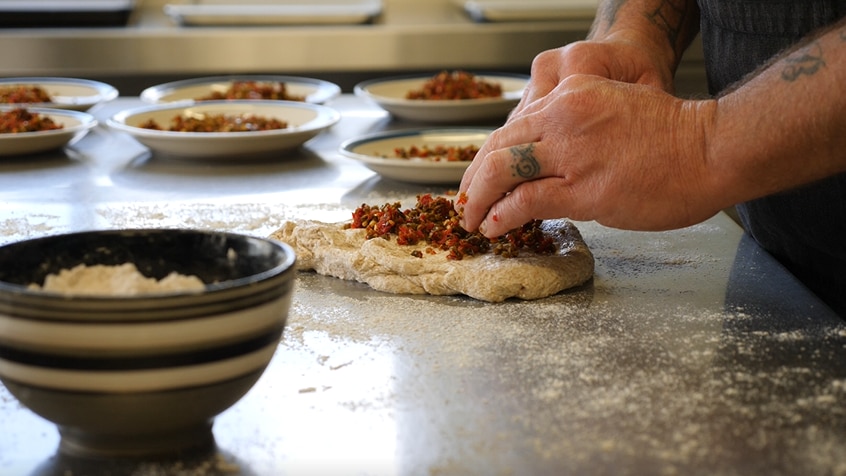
(408, 36)
(64, 13)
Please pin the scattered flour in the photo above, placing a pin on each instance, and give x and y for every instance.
(581, 381)
(214, 465)
(608, 379)
(120, 280)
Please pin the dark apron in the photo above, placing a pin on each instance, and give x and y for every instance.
(805, 229)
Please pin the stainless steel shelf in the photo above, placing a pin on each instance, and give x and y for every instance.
(409, 35)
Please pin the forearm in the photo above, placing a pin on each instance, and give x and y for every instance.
(665, 26)
(785, 126)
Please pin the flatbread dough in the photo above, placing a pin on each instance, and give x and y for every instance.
(330, 249)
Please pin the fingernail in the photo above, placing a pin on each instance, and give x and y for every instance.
(483, 227)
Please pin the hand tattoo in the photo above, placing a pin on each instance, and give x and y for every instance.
(524, 164)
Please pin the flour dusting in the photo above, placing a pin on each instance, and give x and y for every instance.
(118, 280)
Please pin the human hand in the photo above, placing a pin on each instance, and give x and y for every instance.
(618, 60)
(628, 156)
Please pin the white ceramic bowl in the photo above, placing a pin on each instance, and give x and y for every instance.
(75, 125)
(66, 93)
(314, 91)
(304, 121)
(143, 374)
(389, 94)
(374, 151)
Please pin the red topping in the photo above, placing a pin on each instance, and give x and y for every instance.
(23, 94)
(434, 221)
(218, 123)
(438, 153)
(21, 120)
(456, 85)
(254, 90)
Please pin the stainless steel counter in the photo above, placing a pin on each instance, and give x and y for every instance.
(690, 352)
(410, 35)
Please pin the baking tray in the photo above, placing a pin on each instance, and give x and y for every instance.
(270, 12)
(528, 10)
(64, 13)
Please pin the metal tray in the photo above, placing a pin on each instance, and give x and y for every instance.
(64, 13)
(279, 12)
(528, 10)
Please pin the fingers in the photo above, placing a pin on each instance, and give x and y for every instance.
(532, 93)
(514, 154)
(517, 131)
(500, 172)
(537, 199)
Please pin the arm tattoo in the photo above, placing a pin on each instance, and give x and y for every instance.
(523, 161)
(669, 17)
(607, 14)
(803, 59)
(806, 62)
(807, 59)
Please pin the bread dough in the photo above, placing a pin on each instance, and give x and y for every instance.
(331, 250)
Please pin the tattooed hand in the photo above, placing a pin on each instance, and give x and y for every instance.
(599, 136)
(594, 149)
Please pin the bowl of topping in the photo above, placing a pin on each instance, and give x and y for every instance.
(55, 93)
(446, 97)
(133, 341)
(423, 156)
(225, 129)
(280, 88)
(29, 130)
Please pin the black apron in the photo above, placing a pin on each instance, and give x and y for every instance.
(805, 229)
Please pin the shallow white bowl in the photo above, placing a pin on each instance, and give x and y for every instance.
(67, 93)
(375, 152)
(389, 94)
(315, 91)
(142, 374)
(304, 120)
(76, 124)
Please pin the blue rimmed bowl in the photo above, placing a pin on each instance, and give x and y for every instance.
(136, 375)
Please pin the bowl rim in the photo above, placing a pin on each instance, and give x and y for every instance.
(288, 265)
(324, 117)
(323, 91)
(103, 92)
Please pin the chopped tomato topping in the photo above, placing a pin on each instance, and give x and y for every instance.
(21, 120)
(456, 85)
(438, 153)
(254, 90)
(23, 94)
(434, 221)
(219, 123)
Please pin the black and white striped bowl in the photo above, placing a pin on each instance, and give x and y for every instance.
(141, 374)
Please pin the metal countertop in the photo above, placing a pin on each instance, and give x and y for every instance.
(690, 352)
